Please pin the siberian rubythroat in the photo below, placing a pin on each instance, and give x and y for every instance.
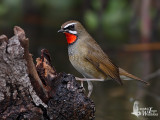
(88, 58)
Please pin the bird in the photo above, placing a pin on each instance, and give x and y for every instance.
(88, 58)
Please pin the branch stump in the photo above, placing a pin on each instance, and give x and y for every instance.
(37, 92)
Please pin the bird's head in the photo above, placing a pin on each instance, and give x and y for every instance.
(72, 30)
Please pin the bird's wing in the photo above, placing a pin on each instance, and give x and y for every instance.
(100, 60)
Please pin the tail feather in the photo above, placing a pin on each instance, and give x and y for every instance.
(125, 73)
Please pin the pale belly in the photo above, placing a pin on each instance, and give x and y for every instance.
(85, 68)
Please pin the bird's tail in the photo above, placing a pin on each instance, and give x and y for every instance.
(124, 74)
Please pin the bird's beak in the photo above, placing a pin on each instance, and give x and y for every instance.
(61, 30)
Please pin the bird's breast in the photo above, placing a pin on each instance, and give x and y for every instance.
(77, 58)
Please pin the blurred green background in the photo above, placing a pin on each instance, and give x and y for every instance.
(127, 30)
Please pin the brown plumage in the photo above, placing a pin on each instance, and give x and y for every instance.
(88, 57)
(125, 73)
(101, 62)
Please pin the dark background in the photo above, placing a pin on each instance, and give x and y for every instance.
(127, 30)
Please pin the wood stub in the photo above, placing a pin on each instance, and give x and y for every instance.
(37, 92)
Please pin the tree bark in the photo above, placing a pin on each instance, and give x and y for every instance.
(37, 93)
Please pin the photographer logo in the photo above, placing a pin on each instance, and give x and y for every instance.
(143, 111)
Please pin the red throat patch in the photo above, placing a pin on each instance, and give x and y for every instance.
(71, 38)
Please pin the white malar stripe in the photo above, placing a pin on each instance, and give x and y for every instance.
(69, 24)
(72, 32)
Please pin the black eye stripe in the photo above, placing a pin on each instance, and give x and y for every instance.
(71, 27)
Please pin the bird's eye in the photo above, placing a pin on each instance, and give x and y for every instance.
(71, 27)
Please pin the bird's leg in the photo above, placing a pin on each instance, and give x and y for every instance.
(81, 79)
(90, 88)
(81, 83)
(90, 85)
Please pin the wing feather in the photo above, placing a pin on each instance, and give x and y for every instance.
(100, 60)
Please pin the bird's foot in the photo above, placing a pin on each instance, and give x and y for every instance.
(90, 86)
(82, 86)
